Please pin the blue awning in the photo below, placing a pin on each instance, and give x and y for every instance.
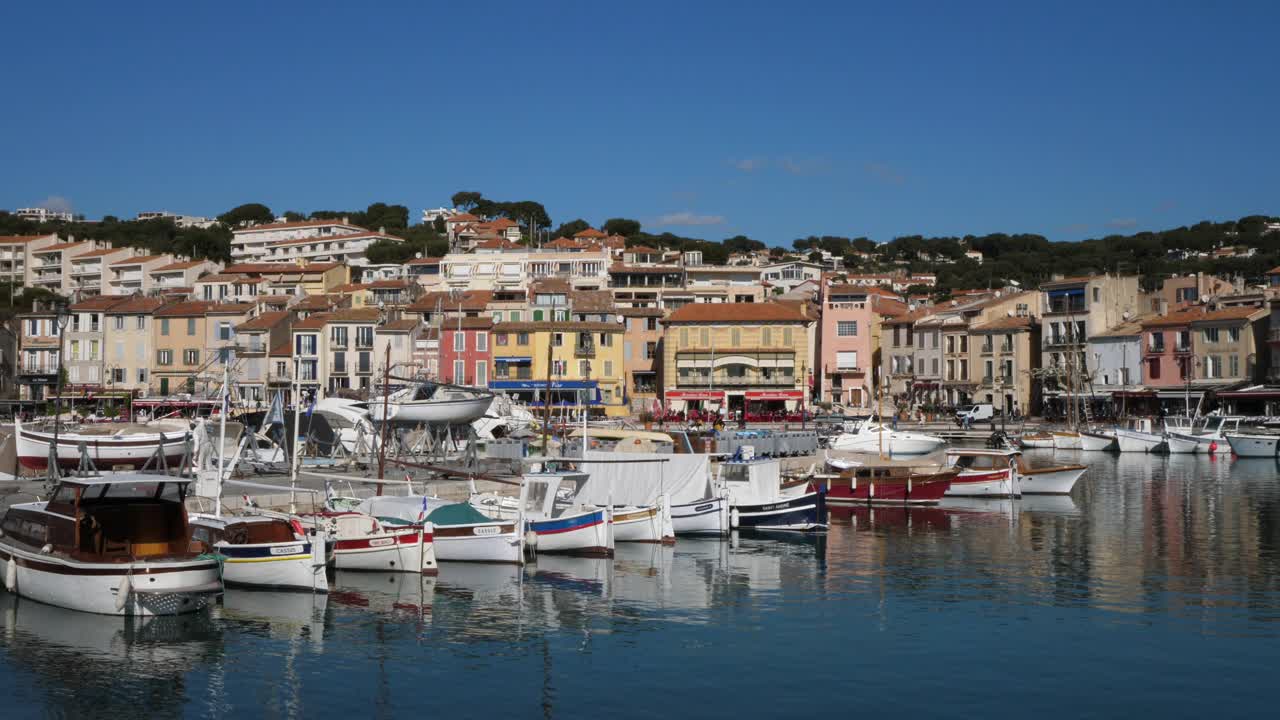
(542, 385)
(513, 360)
(1071, 292)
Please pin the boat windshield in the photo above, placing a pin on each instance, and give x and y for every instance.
(141, 490)
(981, 462)
(732, 472)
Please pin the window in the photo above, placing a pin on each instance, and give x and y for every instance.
(1156, 342)
(459, 341)
(704, 338)
(1211, 335)
(964, 343)
(364, 336)
(142, 376)
(119, 324)
(224, 330)
(606, 340)
(650, 350)
(951, 343)
(1234, 365)
(340, 361)
(849, 328)
(164, 326)
(1153, 369)
(1233, 335)
(75, 350)
(482, 342)
(557, 367)
(190, 357)
(500, 339)
(1097, 294)
(459, 371)
(584, 368)
(224, 355)
(847, 360)
(935, 366)
(338, 336)
(651, 323)
(684, 337)
(191, 326)
(164, 357)
(735, 337)
(557, 339)
(304, 345)
(933, 339)
(522, 338)
(141, 322)
(786, 337)
(93, 349)
(608, 368)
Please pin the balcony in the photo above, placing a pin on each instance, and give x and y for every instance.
(276, 378)
(1062, 340)
(39, 368)
(1062, 308)
(250, 346)
(584, 350)
(722, 380)
(523, 373)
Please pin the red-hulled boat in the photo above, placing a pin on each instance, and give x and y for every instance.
(889, 485)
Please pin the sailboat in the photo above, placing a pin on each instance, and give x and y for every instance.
(432, 403)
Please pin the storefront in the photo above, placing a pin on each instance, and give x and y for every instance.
(564, 393)
(1253, 402)
(768, 405)
(683, 402)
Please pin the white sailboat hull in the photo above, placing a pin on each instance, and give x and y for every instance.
(985, 483)
(1136, 441)
(1181, 444)
(1057, 482)
(433, 412)
(640, 524)
(148, 588)
(1097, 442)
(400, 549)
(705, 517)
(1066, 441)
(893, 443)
(1253, 445)
(286, 566)
(496, 542)
(588, 533)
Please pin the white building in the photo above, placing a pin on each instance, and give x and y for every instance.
(787, 275)
(43, 215)
(583, 270)
(182, 221)
(433, 214)
(345, 248)
(250, 244)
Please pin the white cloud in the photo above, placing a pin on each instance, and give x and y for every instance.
(56, 203)
(688, 218)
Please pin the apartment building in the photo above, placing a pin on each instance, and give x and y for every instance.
(1230, 346)
(128, 343)
(785, 275)
(465, 353)
(251, 244)
(398, 339)
(844, 346)
(1073, 309)
(349, 348)
(1005, 349)
(347, 248)
(1116, 358)
(583, 270)
(898, 353)
(85, 358)
(15, 255)
(50, 266)
(39, 341)
(586, 364)
(178, 276)
(642, 355)
(749, 357)
(190, 339)
(282, 278)
(254, 339)
(90, 271)
(1167, 352)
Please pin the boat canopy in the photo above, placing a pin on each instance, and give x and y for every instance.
(457, 514)
(640, 478)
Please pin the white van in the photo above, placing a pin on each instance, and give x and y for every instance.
(975, 413)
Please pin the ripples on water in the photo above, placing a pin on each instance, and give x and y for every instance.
(1153, 589)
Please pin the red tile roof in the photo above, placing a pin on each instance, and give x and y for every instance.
(470, 323)
(137, 306)
(468, 300)
(333, 238)
(264, 321)
(177, 266)
(60, 246)
(355, 315)
(1242, 312)
(102, 302)
(462, 217)
(349, 288)
(401, 325)
(100, 252)
(20, 239)
(425, 261)
(590, 233)
(315, 322)
(138, 260)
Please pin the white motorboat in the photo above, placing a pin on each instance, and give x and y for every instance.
(1210, 438)
(1058, 480)
(759, 502)
(709, 516)
(983, 473)
(460, 532)
(264, 551)
(363, 542)
(1251, 446)
(873, 437)
(1097, 440)
(1066, 440)
(558, 521)
(1036, 440)
(111, 446)
(432, 404)
(113, 546)
(1139, 436)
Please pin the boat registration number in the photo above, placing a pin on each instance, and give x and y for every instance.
(702, 508)
(767, 508)
(380, 542)
(287, 550)
(488, 530)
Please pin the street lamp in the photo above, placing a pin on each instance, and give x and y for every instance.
(62, 317)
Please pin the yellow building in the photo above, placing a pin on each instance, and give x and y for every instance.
(185, 361)
(750, 357)
(584, 358)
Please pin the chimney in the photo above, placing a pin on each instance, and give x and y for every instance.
(345, 221)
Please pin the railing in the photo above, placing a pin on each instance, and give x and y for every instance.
(735, 381)
(275, 377)
(588, 350)
(250, 346)
(40, 368)
(521, 374)
(1061, 307)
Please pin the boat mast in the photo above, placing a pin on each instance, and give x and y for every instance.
(386, 421)
(297, 451)
(222, 436)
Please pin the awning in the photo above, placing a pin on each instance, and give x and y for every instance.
(513, 359)
(1067, 293)
(1258, 393)
(542, 385)
(694, 395)
(774, 394)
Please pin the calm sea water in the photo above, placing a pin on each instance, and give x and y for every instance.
(1154, 589)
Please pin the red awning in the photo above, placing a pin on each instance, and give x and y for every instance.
(694, 395)
(775, 394)
(1254, 394)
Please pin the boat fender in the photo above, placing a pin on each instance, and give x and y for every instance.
(297, 527)
(11, 575)
(122, 592)
(46, 549)
(531, 540)
(1213, 447)
(733, 518)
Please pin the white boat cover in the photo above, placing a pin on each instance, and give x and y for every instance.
(629, 480)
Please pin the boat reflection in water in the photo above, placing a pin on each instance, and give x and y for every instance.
(91, 666)
(384, 593)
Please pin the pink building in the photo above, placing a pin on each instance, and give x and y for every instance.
(465, 351)
(845, 347)
(1166, 347)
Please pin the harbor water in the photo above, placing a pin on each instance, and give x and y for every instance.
(1153, 589)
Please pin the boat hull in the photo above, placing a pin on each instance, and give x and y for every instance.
(913, 491)
(285, 566)
(893, 443)
(495, 542)
(402, 549)
(639, 524)
(1253, 445)
(1135, 441)
(1066, 441)
(1052, 481)
(995, 483)
(106, 452)
(705, 517)
(1097, 442)
(1036, 443)
(804, 512)
(149, 587)
(433, 412)
(589, 534)
(1181, 444)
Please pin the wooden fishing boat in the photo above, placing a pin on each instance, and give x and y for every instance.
(111, 446)
(559, 523)
(363, 542)
(1005, 473)
(1138, 436)
(114, 546)
(889, 484)
(758, 502)
(1037, 440)
(459, 531)
(264, 551)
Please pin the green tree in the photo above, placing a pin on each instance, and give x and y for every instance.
(742, 243)
(247, 214)
(571, 228)
(389, 252)
(294, 216)
(621, 226)
(465, 200)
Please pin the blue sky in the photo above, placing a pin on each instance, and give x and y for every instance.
(776, 120)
